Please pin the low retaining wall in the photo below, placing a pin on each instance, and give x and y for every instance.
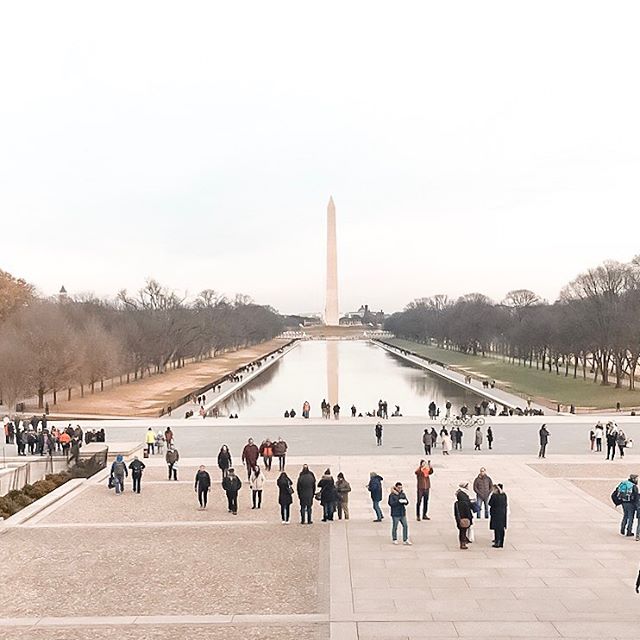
(15, 475)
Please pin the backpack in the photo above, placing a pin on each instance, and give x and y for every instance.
(625, 491)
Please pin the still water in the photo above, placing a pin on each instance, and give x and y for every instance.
(348, 372)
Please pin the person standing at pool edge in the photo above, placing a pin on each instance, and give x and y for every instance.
(378, 431)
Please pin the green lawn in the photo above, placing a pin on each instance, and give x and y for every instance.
(543, 387)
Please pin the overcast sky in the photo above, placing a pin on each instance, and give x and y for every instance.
(468, 146)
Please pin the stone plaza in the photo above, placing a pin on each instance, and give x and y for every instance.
(97, 565)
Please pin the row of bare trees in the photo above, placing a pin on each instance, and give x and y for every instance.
(592, 330)
(51, 346)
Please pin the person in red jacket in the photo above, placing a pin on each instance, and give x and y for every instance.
(250, 455)
(423, 476)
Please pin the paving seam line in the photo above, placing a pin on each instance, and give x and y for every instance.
(161, 620)
(142, 525)
(602, 507)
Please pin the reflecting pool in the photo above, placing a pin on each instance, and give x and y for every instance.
(347, 372)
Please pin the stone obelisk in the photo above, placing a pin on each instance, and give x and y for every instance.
(331, 317)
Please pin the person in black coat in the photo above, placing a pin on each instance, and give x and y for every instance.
(231, 485)
(544, 440)
(137, 467)
(202, 486)
(498, 515)
(306, 488)
(328, 495)
(285, 496)
(463, 513)
(224, 460)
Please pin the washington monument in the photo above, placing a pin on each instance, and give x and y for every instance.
(331, 316)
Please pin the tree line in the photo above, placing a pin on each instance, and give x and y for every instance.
(592, 330)
(54, 345)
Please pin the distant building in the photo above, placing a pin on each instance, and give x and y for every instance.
(302, 320)
(62, 294)
(363, 316)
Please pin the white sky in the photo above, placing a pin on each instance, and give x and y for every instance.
(468, 146)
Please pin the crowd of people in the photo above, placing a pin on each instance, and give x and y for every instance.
(451, 439)
(613, 436)
(332, 495)
(36, 437)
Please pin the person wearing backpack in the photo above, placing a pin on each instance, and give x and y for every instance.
(137, 467)
(627, 493)
(118, 474)
(375, 490)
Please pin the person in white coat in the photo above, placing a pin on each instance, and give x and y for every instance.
(256, 482)
(445, 440)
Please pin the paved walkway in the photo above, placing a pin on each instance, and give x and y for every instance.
(500, 397)
(153, 566)
(228, 387)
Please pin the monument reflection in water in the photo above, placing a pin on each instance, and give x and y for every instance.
(347, 372)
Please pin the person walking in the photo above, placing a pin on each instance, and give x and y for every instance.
(285, 496)
(378, 431)
(482, 486)
(611, 436)
(445, 439)
(426, 441)
(498, 520)
(280, 451)
(398, 503)
(266, 451)
(478, 439)
(232, 485)
(256, 483)
(490, 438)
(306, 489)
(172, 456)
(136, 467)
(343, 488)
(224, 460)
(168, 436)
(118, 474)
(150, 439)
(627, 492)
(463, 513)
(434, 437)
(599, 433)
(423, 477)
(621, 441)
(250, 455)
(202, 486)
(375, 490)
(328, 495)
(544, 440)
